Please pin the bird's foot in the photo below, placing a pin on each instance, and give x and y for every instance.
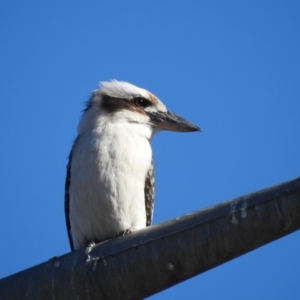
(89, 247)
(129, 230)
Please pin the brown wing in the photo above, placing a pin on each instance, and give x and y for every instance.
(149, 194)
(67, 201)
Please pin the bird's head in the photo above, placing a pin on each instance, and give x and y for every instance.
(122, 102)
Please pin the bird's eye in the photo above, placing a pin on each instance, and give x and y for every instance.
(142, 102)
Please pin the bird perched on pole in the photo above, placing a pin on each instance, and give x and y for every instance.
(109, 188)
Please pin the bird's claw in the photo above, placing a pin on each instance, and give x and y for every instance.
(129, 231)
(89, 247)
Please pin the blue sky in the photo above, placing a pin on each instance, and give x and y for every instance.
(231, 67)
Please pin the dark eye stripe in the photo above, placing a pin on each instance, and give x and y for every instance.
(141, 102)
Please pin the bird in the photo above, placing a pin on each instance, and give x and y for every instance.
(109, 187)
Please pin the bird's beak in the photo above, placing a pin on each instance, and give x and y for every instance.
(169, 121)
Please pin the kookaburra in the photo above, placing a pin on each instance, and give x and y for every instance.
(109, 187)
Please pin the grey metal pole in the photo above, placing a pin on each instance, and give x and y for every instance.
(155, 258)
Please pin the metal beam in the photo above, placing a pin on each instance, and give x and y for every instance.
(155, 258)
